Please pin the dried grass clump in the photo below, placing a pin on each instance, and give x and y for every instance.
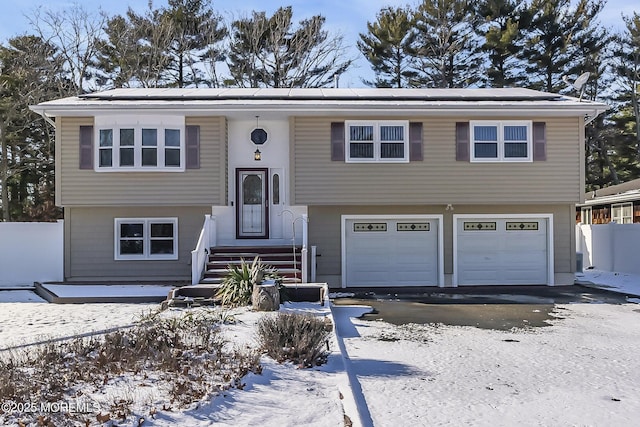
(298, 338)
(184, 354)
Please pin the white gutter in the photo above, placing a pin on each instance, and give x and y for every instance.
(299, 109)
(614, 198)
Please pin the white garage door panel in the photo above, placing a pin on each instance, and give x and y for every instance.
(502, 256)
(391, 257)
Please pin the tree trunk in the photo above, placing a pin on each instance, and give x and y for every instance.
(4, 174)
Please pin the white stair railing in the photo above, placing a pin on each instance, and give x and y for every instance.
(303, 253)
(200, 255)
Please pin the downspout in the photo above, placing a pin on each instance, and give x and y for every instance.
(589, 117)
(46, 118)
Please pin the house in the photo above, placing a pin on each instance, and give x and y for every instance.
(617, 203)
(365, 187)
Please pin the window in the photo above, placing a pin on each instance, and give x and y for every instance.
(585, 215)
(622, 213)
(275, 198)
(146, 238)
(105, 150)
(145, 143)
(377, 141)
(506, 141)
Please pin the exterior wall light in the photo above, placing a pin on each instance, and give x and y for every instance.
(257, 155)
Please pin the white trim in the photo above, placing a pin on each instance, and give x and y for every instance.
(500, 142)
(550, 234)
(343, 240)
(583, 213)
(146, 237)
(376, 141)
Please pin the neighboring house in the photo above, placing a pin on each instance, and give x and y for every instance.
(376, 187)
(618, 203)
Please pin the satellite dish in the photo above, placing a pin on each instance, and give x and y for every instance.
(579, 83)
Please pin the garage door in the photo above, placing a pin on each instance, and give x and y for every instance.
(391, 252)
(502, 251)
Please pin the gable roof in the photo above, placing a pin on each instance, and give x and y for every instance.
(317, 101)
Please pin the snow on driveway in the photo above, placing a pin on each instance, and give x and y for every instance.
(583, 370)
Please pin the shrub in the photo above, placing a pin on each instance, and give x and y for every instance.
(299, 338)
(185, 355)
(237, 286)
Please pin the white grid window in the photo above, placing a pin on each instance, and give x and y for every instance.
(622, 213)
(144, 143)
(146, 239)
(373, 141)
(504, 141)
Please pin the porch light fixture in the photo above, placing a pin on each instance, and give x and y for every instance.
(257, 155)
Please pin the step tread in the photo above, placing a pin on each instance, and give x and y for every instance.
(218, 280)
(253, 255)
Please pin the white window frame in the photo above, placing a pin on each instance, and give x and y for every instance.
(622, 218)
(146, 237)
(377, 141)
(138, 123)
(500, 124)
(586, 215)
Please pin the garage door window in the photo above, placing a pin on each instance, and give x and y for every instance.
(413, 226)
(479, 226)
(522, 226)
(369, 226)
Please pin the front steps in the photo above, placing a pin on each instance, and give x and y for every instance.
(280, 257)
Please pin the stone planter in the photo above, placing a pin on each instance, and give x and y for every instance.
(265, 296)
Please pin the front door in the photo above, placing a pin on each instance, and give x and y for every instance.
(252, 205)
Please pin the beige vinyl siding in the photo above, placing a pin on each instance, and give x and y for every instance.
(325, 231)
(439, 179)
(89, 244)
(204, 186)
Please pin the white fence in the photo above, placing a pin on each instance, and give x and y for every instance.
(30, 252)
(610, 247)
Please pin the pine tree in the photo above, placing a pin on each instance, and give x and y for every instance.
(389, 47)
(550, 45)
(195, 31)
(500, 24)
(31, 72)
(628, 71)
(446, 44)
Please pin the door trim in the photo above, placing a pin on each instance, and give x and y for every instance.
(266, 201)
(543, 216)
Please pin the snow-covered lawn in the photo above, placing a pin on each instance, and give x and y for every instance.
(582, 370)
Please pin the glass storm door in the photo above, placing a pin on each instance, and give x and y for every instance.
(252, 204)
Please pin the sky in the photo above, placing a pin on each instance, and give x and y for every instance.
(346, 17)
